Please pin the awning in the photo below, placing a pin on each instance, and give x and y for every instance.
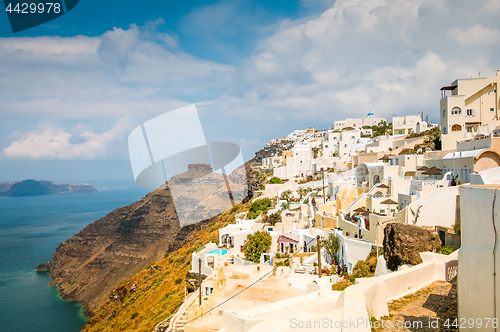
(450, 87)
(286, 239)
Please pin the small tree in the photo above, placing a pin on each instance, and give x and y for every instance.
(256, 244)
(286, 194)
(331, 246)
(272, 219)
(302, 192)
(285, 206)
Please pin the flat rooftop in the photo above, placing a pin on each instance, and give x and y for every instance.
(210, 321)
(269, 289)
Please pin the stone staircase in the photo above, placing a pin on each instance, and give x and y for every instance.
(179, 324)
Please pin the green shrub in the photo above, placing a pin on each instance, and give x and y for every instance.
(341, 285)
(286, 262)
(457, 228)
(275, 180)
(445, 250)
(258, 206)
(134, 315)
(253, 214)
(361, 270)
(178, 281)
(197, 250)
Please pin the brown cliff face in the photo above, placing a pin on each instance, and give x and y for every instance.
(88, 266)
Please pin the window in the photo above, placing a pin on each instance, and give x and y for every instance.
(269, 229)
(456, 127)
(456, 110)
(470, 112)
(326, 146)
(444, 113)
(399, 123)
(382, 211)
(345, 145)
(492, 109)
(241, 248)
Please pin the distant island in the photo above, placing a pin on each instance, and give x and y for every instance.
(34, 187)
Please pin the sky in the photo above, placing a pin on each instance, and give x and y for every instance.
(73, 89)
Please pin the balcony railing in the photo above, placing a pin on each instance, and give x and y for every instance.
(379, 195)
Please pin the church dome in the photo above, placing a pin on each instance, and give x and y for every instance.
(370, 115)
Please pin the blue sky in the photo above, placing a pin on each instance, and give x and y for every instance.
(73, 89)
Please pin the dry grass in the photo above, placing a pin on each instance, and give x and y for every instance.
(157, 296)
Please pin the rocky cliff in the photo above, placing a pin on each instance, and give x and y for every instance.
(88, 266)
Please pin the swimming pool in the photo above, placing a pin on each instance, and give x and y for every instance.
(220, 252)
(294, 205)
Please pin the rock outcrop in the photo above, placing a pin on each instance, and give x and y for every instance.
(35, 187)
(44, 267)
(193, 280)
(403, 244)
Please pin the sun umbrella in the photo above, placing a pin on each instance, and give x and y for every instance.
(389, 202)
(383, 186)
(433, 171)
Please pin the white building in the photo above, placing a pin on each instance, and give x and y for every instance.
(337, 144)
(369, 120)
(272, 162)
(404, 125)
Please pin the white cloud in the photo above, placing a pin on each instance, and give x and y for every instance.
(476, 35)
(57, 144)
(358, 56)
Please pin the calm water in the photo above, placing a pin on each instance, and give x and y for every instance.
(31, 228)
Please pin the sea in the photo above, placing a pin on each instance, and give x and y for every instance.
(31, 228)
